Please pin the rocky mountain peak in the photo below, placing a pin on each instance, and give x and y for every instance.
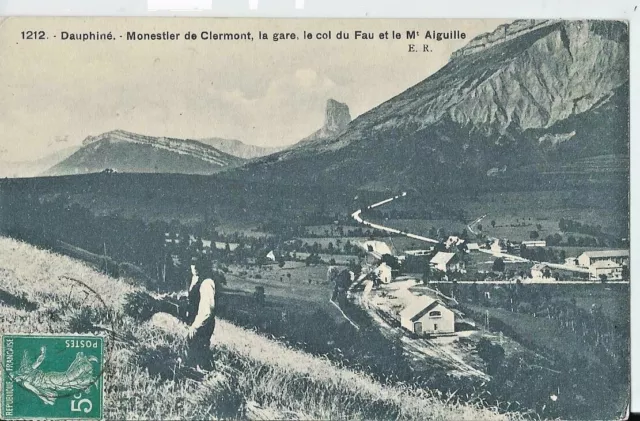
(336, 117)
(528, 95)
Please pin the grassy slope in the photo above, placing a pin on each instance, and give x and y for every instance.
(263, 377)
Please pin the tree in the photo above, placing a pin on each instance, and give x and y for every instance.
(533, 235)
(493, 223)
(426, 274)
(258, 295)
(464, 235)
(625, 273)
(479, 227)
(562, 224)
(391, 261)
(498, 265)
(603, 278)
(539, 227)
(491, 354)
(261, 260)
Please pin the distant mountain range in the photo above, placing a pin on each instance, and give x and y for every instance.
(238, 148)
(123, 151)
(36, 167)
(529, 96)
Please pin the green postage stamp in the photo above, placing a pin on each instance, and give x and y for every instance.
(52, 376)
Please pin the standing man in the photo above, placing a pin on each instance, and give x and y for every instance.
(201, 316)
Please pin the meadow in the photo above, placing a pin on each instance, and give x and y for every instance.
(540, 330)
(257, 377)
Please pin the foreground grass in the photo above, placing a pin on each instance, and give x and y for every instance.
(257, 378)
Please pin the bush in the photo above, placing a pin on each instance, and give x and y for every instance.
(141, 306)
(491, 354)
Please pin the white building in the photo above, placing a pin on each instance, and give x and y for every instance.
(383, 272)
(608, 268)
(427, 316)
(447, 262)
(539, 270)
(417, 252)
(535, 243)
(473, 246)
(499, 246)
(571, 261)
(588, 258)
(377, 248)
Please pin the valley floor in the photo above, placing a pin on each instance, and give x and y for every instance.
(257, 378)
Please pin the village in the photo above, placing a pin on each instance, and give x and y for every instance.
(442, 301)
(444, 297)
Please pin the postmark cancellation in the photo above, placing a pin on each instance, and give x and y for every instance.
(52, 376)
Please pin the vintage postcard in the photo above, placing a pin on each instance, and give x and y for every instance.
(372, 219)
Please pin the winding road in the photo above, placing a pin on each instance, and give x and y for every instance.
(357, 215)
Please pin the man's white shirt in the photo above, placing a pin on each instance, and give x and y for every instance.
(207, 301)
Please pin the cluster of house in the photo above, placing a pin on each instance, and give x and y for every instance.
(447, 260)
(504, 245)
(602, 263)
(175, 238)
(425, 315)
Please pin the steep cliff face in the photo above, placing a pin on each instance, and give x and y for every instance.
(336, 120)
(336, 117)
(131, 152)
(528, 93)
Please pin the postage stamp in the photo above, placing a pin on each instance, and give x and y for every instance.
(52, 376)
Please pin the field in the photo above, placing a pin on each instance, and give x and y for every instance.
(294, 293)
(340, 259)
(613, 299)
(518, 228)
(257, 378)
(546, 208)
(543, 332)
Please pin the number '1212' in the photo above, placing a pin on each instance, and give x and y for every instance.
(32, 35)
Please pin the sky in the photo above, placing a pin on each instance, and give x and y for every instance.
(54, 93)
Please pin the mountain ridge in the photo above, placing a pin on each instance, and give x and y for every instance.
(513, 101)
(125, 151)
(240, 149)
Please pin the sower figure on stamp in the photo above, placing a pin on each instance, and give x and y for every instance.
(201, 316)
